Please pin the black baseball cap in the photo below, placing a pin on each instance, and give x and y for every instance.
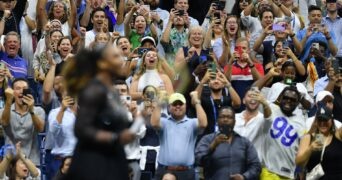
(323, 112)
(330, 1)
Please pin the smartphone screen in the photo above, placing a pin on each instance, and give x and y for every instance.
(278, 27)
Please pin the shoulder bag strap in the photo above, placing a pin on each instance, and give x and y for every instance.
(324, 145)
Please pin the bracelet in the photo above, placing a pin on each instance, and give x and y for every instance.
(31, 112)
(292, 35)
(279, 4)
(251, 66)
(25, 14)
(328, 38)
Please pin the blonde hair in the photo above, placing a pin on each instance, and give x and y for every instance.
(142, 68)
(225, 30)
(194, 28)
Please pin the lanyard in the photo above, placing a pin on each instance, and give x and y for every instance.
(215, 111)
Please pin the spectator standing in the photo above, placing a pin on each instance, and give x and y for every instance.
(334, 86)
(279, 160)
(11, 12)
(178, 128)
(249, 123)
(22, 121)
(225, 153)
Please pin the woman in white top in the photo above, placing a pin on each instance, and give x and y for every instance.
(18, 166)
(150, 74)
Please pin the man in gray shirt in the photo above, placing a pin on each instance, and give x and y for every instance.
(21, 120)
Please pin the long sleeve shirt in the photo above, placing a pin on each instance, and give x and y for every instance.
(239, 157)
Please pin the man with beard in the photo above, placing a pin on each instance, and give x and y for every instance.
(221, 94)
(282, 134)
(225, 154)
(159, 16)
(334, 23)
(183, 5)
(249, 122)
(335, 87)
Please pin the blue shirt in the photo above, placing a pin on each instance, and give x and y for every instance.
(177, 141)
(336, 27)
(63, 133)
(320, 84)
(17, 65)
(317, 37)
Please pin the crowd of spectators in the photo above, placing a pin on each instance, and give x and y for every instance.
(228, 89)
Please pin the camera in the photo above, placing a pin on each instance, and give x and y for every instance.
(126, 99)
(180, 12)
(285, 44)
(142, 51)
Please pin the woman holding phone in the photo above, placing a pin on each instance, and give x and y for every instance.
(322, 135)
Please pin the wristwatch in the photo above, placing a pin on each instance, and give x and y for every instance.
(251, 66)
(31, 112)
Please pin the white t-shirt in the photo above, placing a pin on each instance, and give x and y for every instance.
(282, 136)
(89, 37)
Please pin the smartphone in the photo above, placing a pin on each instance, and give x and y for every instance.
(226, 130)
(239, 51)
(316, 28)
(211, 50)
(203, 59)
(335, 65)
(213, 70)
(150, 95)
(26, 92)
(142, 51)
(315, 46)
(217, 15)
(319, 138)
(126, 99)
(278, 27)
(180, 12)
(288, 81)
(285, 44)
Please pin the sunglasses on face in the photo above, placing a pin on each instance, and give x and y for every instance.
(289, 98)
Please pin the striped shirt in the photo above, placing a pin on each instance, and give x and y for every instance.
(17, 65)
